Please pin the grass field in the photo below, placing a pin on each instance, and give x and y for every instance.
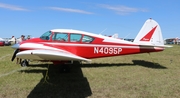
(132, 76)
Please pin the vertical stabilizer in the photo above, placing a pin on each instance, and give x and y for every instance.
(150, 34)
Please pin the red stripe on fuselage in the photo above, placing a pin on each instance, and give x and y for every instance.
(92, 50)
(102, 50)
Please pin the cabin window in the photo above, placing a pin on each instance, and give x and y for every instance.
(60, 37)
(46, 35)
(87, 39)
(75, 37)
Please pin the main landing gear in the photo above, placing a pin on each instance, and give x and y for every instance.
(65, 67)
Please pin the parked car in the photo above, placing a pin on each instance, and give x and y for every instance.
(1, 43)
(7, 43)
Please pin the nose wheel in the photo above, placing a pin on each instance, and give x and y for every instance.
(24, 63)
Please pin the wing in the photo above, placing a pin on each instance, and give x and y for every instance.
(49, 55)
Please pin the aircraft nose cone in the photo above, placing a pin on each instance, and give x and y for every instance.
(15, 46)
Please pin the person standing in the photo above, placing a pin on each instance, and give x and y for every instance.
(13, 40)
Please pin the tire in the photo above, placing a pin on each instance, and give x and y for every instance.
(24, 63)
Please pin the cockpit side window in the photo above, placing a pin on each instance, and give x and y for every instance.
(46, 35)
(75, 37)
(87, 39)
(60, 37)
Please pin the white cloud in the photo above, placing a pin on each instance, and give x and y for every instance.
(12, 7)
(70, 10)
(122, 10)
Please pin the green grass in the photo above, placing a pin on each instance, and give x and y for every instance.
(132, 76)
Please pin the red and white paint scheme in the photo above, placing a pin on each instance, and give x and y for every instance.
(73, 45)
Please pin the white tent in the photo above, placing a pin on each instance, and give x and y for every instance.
(1, 39)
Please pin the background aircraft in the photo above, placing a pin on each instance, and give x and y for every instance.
(4, 42)
(63, 45)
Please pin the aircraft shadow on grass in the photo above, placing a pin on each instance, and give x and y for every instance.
(135, 63)
(60, 85)
(72, 84)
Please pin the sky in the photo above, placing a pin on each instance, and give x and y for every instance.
(106, 17)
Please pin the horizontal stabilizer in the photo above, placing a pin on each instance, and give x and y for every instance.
(163, 46)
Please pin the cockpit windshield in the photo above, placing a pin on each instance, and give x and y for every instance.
(46, 35)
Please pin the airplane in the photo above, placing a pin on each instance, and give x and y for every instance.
(66, 45)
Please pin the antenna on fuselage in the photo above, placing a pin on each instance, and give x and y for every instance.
(102, 31)
(126, 36)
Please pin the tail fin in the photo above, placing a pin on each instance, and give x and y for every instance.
(150, 34)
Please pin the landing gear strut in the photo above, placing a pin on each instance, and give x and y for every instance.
(65, 66)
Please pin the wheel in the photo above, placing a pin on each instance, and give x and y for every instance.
(24, 63)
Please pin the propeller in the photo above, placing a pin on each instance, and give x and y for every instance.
(15, 46)
(14, 55)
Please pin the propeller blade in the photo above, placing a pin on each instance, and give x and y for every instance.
(15, 46)
(14, 55)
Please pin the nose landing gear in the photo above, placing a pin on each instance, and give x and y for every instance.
(24, 63)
